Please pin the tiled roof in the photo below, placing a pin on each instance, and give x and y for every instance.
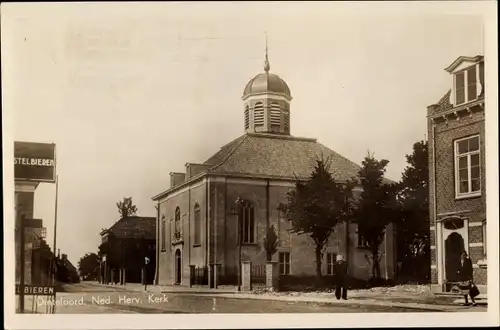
(444, 103)
(278, 156)
(135, 227)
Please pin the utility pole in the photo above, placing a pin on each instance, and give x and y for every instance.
(54, 245)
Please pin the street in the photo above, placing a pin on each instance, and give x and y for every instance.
(87, 298)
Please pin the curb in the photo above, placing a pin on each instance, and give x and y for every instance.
(242, 295)
(431, 308)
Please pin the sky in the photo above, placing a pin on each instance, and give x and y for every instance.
(131, 92)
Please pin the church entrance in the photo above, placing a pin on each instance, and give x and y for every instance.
(178, 266)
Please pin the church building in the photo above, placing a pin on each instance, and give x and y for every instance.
(244, 182)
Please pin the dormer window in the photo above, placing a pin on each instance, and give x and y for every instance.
(466, 86)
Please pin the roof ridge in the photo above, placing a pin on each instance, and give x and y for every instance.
(340, 155)
(229, 154)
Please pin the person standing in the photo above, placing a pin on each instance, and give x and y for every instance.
(466, 277)
(145, 273)
(340, 278)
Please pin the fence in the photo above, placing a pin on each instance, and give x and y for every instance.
(199, 275)
(258, 274)
(228, 275)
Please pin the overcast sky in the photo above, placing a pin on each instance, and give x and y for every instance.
(132, 92)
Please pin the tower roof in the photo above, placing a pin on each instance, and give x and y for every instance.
(267, 83)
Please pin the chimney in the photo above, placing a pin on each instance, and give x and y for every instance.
(176, 179)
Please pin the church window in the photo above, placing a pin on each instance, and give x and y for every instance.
(197, 225)
(177, 223)
(248, 224)
(163, 233)
(258, 113)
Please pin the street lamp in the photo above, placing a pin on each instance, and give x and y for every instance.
(239, 203)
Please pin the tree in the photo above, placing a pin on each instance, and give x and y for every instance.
(376, 207)
(126, 208)
(317, 205)
(413, 226)
(270, 242)
(88, 266)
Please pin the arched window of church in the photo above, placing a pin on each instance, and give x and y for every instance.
(247, 117)
(258, 114)
(177, 221)
(275, 117)
(197, 225)
(248, 223)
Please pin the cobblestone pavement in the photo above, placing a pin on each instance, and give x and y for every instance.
(95, 299)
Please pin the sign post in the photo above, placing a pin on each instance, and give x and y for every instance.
(33, 163)
(22, 257)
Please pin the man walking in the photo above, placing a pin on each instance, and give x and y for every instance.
(340, 277)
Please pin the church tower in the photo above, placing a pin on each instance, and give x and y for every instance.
(267, 103)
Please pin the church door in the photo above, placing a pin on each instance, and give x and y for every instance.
(178, 266)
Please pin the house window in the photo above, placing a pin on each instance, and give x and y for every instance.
(284, 262)
(163, 233)
(466, 86)
(177, 223)
(330, 263)
(197, 225)
(467, 167)
(248, 224)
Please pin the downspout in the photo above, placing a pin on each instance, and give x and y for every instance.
(207, 234)
(158, 228)
(434, 201)
(268, 204)
(189, 227)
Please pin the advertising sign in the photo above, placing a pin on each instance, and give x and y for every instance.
(36, 290)
(35, 161)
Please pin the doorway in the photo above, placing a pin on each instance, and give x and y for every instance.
(454, 246)
(178, 266)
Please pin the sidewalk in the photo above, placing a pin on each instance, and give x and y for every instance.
(376, 297)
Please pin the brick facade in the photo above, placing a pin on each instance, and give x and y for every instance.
(448, 213)
(216, 198)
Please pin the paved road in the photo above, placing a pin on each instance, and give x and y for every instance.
(88, 299)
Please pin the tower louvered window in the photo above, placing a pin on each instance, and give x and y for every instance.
(275, 117)
(258, 112)
(247, 117)
(286, 118)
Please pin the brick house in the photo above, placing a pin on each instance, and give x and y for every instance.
(457, 180)
(198, 218)
(124, 247)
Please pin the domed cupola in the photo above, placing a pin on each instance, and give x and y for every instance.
(267, 103)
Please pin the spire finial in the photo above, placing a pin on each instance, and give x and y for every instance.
(266, 63)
